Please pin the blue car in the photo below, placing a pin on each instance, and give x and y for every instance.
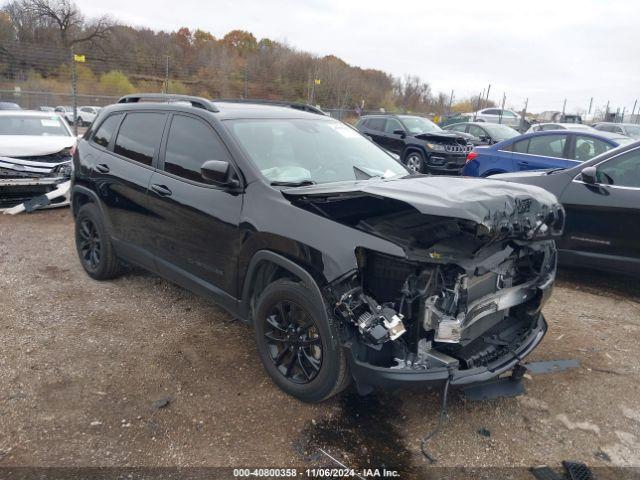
(540, 151)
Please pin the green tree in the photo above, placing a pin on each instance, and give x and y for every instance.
(115, 82)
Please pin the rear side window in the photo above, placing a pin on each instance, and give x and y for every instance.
(103, 135)
(191, 142)
(139, 136)
(522, 146)
(376, 124)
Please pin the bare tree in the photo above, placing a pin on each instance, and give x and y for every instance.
(65, 17)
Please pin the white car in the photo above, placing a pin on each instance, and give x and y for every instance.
(35, 160)
(496, 115)
(541, 127)
(85, 114)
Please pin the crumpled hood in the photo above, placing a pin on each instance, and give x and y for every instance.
(33, 145)
(439, 136)
(491, 203)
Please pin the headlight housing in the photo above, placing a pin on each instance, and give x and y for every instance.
(436, 147)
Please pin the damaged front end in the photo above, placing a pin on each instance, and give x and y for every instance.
(463, 305)
(29, 183)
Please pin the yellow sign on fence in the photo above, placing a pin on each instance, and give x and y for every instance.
(79, 58)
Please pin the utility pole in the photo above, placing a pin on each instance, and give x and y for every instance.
(504, 99)
(488, 90)
(606, 113)
(634, 109)
(166, 75)
(450, 103)
(74, 91)
(524, 114)
(246, 79)
(624, 109)
(564, 106)
(590, 105)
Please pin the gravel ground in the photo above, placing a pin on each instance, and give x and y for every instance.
(139, 372)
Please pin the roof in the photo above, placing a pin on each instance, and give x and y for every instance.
(568, 126)
(223, 110)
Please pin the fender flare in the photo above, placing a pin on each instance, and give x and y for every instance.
(89, 193)
(289, 265)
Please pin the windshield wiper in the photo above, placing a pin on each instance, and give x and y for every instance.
(300, 183)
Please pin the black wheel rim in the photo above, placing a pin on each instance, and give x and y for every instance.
(90, 245)
(293, 342)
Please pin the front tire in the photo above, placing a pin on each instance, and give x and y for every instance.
(414, 161)
(94, 244)
(298, 342)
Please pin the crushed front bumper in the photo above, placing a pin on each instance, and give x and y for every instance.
(369, 377)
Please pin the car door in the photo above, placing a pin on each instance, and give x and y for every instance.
(603, 219)
(394, 142)
(128, 146)
(539, 152)
(375, 130)
(195, 231)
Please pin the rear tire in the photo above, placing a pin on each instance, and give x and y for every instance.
(93, 244)
(298, 342)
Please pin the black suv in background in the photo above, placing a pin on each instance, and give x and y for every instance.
(422, 145)
(347, 266)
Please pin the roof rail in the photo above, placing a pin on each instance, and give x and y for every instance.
(197, 102)
(278, 103)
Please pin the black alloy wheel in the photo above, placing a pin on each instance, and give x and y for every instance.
(293, 342)
(89, 244)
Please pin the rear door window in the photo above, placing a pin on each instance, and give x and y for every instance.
(376, 124)
(139, 136)
(392, 125)
(106, 130)
(190, 143)
(547, 145)
(477, 131)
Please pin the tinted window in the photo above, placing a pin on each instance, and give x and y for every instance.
(391, 125)
(588, 147)
(507, 113)
(491, 112)
(547, 145)
(139, 136)
(191, 142)
(551, 126)
(623, 170)
(605, 128)
(105, 132)
(376, 124)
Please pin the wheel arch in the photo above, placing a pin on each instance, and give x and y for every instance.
(265, 267)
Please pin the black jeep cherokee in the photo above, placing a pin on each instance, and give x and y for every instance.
(422, 145)
(347, 266)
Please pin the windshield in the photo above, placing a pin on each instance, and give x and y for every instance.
(25, 125)
(318, 151)
(419, 125)
(501, 132)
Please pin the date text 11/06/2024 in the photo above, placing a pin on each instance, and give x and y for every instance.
(316, 473)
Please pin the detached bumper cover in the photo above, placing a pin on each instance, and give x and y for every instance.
(27, 184)
(368, 376)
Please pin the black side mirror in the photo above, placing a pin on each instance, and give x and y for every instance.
(589, 175)
(402, 133)
(218, 171)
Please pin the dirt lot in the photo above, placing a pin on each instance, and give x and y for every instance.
(82, 363)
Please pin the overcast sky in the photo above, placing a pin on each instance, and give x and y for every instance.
(545, 50)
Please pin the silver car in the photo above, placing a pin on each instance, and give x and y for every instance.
(496, 115)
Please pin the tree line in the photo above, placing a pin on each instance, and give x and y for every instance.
(39, 37)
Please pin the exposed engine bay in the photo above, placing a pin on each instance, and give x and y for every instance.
(468, 292)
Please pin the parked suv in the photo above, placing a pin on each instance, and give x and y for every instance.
(422, 145)
(347, 266)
